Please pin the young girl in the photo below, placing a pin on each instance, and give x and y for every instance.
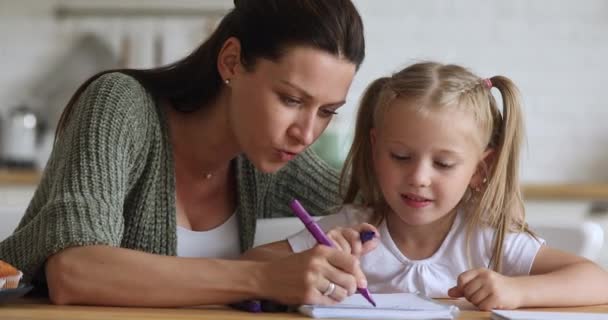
(434, 165)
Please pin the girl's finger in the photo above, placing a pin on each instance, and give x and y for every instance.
(478, 297)
(465, 277)
(340, 242)
(353, 239)
(455, 292)
(472, 287)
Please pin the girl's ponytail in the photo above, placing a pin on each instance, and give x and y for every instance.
(357, 180)
(503, 193)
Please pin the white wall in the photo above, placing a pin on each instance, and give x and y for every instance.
(555, 50)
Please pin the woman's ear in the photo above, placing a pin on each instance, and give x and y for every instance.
(481, 175)
(229, 59)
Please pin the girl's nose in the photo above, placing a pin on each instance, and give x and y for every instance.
(420, 176)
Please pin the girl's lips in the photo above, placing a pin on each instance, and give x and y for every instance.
(415, 201)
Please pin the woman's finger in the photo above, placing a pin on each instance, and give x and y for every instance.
(348, 264)
(334, 291)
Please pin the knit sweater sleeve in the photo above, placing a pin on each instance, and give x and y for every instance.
(80, 199)
(307, 178)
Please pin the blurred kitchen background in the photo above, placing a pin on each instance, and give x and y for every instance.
(555, 50)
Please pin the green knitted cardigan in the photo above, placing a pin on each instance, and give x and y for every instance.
(110, 181)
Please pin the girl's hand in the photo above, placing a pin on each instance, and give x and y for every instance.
(487, 289)
(349, 239)
(302, 278)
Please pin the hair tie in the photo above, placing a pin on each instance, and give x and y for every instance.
(488, 83)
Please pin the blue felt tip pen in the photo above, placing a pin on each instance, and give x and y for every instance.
(321, 238)
(366, 236)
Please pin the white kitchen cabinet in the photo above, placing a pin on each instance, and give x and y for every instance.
(13, 202)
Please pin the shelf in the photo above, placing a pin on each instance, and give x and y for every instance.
(19, 177)
(135, 9)
(566, 192)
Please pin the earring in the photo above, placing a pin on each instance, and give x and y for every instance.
(477, 188)
(227, 81)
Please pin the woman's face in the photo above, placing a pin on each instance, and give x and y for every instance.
(281, 107)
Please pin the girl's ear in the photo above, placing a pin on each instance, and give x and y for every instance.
(229, 59)
(480, 177)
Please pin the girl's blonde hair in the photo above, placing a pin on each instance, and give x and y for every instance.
(432, 85)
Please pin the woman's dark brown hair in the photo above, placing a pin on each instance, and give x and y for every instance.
(266, 29)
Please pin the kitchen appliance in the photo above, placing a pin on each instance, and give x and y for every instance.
(18, 130)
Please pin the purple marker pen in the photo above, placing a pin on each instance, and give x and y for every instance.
(320, 236)
(254, 306)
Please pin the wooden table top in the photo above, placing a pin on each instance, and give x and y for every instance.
(41, 309)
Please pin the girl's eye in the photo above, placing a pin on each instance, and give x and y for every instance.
(290, 101)
(399, 157)
(443, 164)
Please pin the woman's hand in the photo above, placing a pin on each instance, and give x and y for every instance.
(488, 289)
(349, 240)
(302, 278)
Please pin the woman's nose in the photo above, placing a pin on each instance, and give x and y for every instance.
(303, 130)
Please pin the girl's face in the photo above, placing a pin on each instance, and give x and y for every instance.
(281, 107)
(424, 162)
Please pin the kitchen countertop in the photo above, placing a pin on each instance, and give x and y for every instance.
(19, 177)
(566, 192)
(540, 191)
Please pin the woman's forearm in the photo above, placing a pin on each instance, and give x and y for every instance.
(581, 283)
(102, 275)
(271, 251)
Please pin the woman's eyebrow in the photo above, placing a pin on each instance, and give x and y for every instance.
(309, 96)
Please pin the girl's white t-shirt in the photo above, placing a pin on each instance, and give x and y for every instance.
(389, 271)
(220, 242)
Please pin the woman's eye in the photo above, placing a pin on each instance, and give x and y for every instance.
(290, 101)
(326, 113)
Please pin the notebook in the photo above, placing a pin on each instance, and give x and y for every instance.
(544, 315)
(389, 306)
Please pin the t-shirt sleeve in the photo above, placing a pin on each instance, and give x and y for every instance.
(520, 250)
(80, 198)
(347, 216)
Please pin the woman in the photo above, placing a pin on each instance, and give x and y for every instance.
(149, 162)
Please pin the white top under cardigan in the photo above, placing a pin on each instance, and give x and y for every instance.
(221, 242)
(388, 270)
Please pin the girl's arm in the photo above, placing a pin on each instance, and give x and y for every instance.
(557, 279)
(560, 279)
(346, 239)
(103, 275)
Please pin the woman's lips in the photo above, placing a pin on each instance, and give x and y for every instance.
(286, 155)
